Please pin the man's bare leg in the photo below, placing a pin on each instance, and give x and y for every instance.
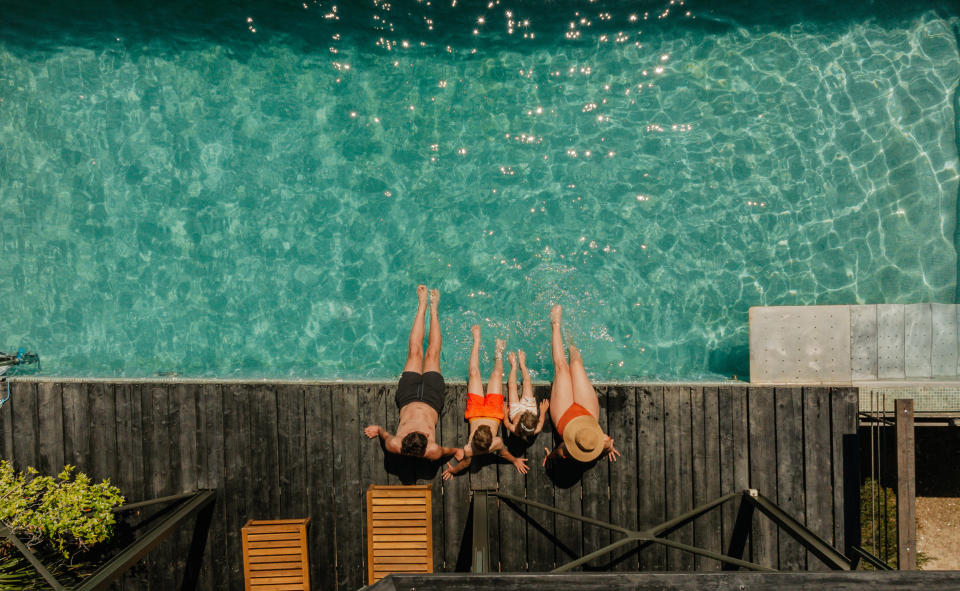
(435, 341)
(415, 344)
(525, 374)
(512, 380)
(474, 381)
(495, 384)
(583, 392)
(561, 396)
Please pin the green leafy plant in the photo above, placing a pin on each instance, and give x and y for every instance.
(68, 513)
(878, 524)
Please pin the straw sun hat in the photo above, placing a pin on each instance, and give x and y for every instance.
(583, 438)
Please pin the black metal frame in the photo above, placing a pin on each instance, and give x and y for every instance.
(750, 498)
(199, 503)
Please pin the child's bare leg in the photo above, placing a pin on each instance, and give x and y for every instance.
(525, 373)
(474, 381)
(512, 380)
(495, 385)
(415, 343)
(561, 396)
(435, 341)
(583, 392)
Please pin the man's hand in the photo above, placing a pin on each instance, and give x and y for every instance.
(521, 464)
(448, 473)
(372, 431)
(546, 457)
(458, 454)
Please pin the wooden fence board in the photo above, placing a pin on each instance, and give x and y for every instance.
(651, 445)
(624, 474)
(347, 497)
(6, 424)
(76, 425)
(790, 472)
(103, 431)
(210, 474)
(818, 482)
(21, 413)
(50, 425)
(763, 471)
(291, 460)
(513, 528)
(679, 473)
(236, 401)
(541, 525)
(318, 413)
(706, 473)
(596, 494)
(846, 467)
(456, 492)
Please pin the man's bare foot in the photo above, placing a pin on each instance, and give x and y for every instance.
(512, 358)
(499, 348)
(475, 331)
(434, 298)
(523, 357)
(422, 296)
(556, 314)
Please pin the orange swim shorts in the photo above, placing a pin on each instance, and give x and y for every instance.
(484, 407)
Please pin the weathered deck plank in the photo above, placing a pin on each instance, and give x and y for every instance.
(651, 443)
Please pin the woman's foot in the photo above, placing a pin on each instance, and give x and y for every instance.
(556, 314)
(523, 358)
(475, 331)
(512, 358)
(434, 299)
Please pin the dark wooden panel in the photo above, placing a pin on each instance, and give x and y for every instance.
(846, 468)
(291, 459)
(263, 455)
(130, 470)
(347, 435)
(6, 424)
(763, 471)
(50, 425)
(624, 474)
(678, 470)
(818, 488)
(319, 438)
(706, 473)
(372, 403)
(456, 492)
(540, 524)
(790, 472)
(433, 473)
(567, 476)
(650, 443)
(163, 468)
(103, 431)
(236, 404)
(22, 408)
(184, 411)
(76, 425)
(596, 494)
(210, 455)
(735, 465)
(513, 528)
(397, 470)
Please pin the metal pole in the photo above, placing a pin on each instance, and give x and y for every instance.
(714, 555)
(32, 559)
(596, 553)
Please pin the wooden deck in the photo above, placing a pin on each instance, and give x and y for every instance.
(286, 451)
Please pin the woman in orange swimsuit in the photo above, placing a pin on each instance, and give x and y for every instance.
(485, 412)
(574, 407)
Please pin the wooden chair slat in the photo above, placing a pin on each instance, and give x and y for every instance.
(275, 555)
(399, 530)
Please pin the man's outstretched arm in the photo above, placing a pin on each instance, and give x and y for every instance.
(389, 441)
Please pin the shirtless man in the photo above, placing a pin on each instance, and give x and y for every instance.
(574, 407)
(484, 411)
(420, 392)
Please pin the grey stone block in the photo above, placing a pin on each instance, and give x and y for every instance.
(890, 345)
(917, 340)
(863, 342)
(944, 350)
(800, 344)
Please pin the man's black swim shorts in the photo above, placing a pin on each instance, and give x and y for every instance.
(428, 387)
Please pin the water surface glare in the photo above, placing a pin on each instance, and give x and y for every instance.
(221, 191)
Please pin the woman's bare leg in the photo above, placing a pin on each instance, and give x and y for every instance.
(525, 373)
(435, 341)
(495, 385)
(583, 392)
(512, 381)
(415, 344)
(474, 381)
(561, 396)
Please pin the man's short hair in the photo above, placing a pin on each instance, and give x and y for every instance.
(414, 444)
(482, 438)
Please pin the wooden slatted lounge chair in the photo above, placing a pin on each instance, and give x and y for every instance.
(399, 530)
(275, 555)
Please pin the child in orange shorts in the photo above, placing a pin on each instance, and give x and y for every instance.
(484, 411)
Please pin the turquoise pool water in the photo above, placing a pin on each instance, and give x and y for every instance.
(229, 190)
